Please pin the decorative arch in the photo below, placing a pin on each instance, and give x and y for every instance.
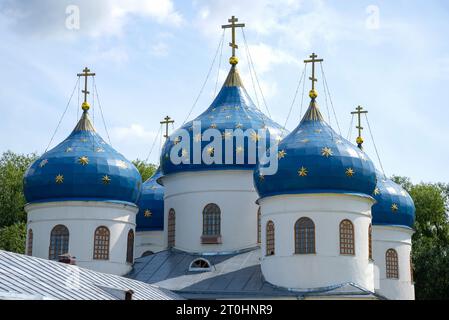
(130, 247)
(101, 243)
(304, 236)
(270, 248)
(347, 242)
(30, 242)
(392, 264)
(171, 228)
(59, 242)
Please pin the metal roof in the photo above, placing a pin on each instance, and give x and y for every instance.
(25, 277)
(231, 276)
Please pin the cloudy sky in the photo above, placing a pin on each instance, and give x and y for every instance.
(152, 57)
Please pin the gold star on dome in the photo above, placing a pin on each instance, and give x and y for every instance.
(184, 153)
(318, 131)
(213, 109)
(69, 149)
(403, 193)
(305, 140)
(153, 188)
(226, 135)
(228, 117)
(166, 155)
(239, 149)
(254, 136)
(394, 207)
(350, 172)
(59, 179)
(122, 164)
(197, 137)
(210, 150)
(43, 163)
(213, 126)
(239, 125)
(100, 150)
(261, 177)
(281, 154)
(326, 152)
(147, 213)
(106, 179)
(376, 191)
(303, 172)
(83, 160)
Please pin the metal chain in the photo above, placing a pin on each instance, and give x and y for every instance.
(374, 144)
(295, 96)
(330, 97)
(154, 143)
(101, 112)
(219, 63)
(251, 74)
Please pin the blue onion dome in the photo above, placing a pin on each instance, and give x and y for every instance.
(232, 109)
(315, 159)
(394, 205)
(151, 205)
(82, 167)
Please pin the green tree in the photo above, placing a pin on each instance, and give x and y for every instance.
(13, 237)
(12, 200)
(146, 169)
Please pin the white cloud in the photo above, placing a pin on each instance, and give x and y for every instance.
(47, 18)
(132, 133)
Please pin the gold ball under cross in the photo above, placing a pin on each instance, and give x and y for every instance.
(85, 106)
(313, 94)
(233, 60)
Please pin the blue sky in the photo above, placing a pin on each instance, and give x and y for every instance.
(151, 58)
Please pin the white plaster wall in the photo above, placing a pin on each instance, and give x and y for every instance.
(149, 241)
(399, 239)
(82, 218)
(233, 191)
(327, 267)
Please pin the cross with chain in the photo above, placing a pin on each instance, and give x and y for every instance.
(86, 73)
(167, 121)
(233, 25)
(359, 112)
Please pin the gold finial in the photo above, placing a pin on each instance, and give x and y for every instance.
(313, 94)
(233, 59)
(86, 73)
(359, 112)
(167, 121)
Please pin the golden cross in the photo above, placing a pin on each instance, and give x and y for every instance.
(167, 121)
(359, 112)
(86, 73)
(313, 60)
(233, 25)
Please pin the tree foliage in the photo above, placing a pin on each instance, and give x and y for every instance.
(12, 200)
(13, 237)
(146, 169)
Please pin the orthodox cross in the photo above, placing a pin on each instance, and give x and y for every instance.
(359, 112)
(167, 121)
(233, 25)
(86, 73)
(313, 61)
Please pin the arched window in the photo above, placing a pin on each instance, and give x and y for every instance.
(347, 245)
(171, 225)
(30, 242)
(392, 264)
(211, 224)
(270, 238)
(130, 247)
(200, 264)
(59, 242)
(304, 236)
(101, 243)
(370, 242)
(259, 227)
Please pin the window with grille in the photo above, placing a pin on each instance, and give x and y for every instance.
(101, 243)
(59, 242)
(270, 238)
(304, 236)
(130, 247)
(347, 245)
(259, 227)
(392, 264)
(171, 228)
(30, 242)
(211, 220)
(370, 242)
